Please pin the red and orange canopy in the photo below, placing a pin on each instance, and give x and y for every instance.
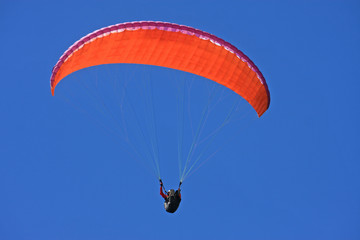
(168, 45)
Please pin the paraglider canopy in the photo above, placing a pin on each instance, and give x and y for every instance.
(168, 45)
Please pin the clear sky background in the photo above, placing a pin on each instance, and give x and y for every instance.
(292, 174)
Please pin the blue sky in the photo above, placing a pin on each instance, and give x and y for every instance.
(292, 174)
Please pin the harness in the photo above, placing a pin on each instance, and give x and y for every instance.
(173, 199)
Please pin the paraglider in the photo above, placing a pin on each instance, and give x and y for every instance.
(172, 198)
(172, 46)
